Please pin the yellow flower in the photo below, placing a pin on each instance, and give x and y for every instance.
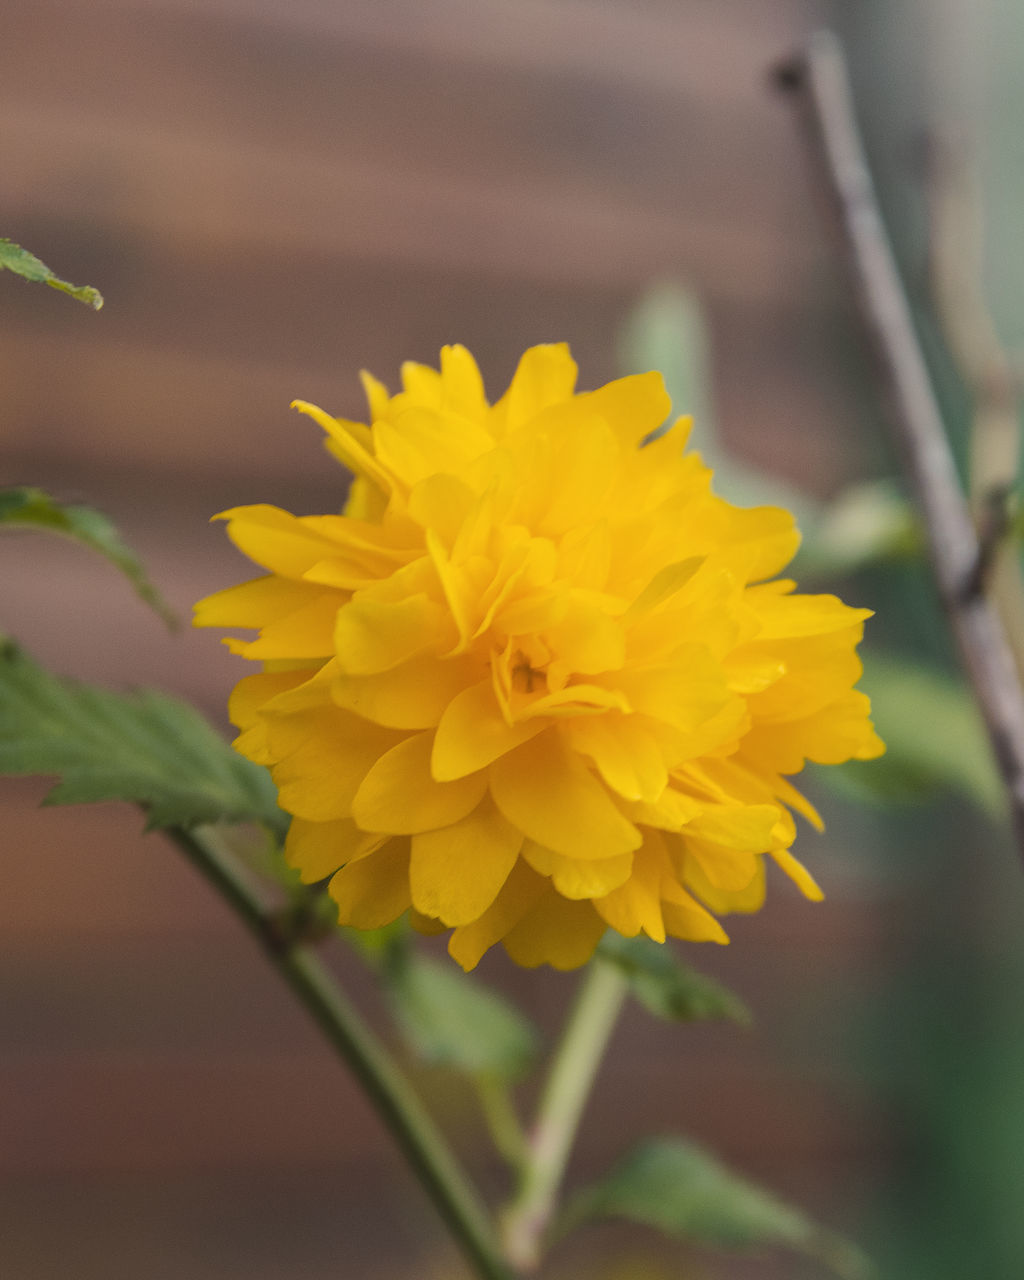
(536, 680)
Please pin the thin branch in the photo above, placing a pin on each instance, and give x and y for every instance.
(398, 1107)
(817, 81)
(956, 244)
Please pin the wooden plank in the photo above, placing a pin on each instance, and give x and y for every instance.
(118, 1111)
(191, 412)
(716, 52)
(330, 1220)
(90, 871)
(279, 206)
(306, 323)
(109, 169)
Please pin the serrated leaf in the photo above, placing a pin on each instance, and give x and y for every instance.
(14, 258)
(25, 507)
(682, 1190)
(668, 987)
(452, 1020)
(142, 747)
(934, 739)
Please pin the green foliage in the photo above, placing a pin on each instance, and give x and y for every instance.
(679, 1189)
(14, 258)
(867, 523)
(447, 1017)
(452, 1020)
(24, 507)
(142, 747)
(669, 988)
(933, 735)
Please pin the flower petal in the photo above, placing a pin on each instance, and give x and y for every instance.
(635, 906)
(723, 868)
(400, 796)
(274, 539)
(841, 731)
(253, 692)
(626, 755)
(587, 640)
(317, 849)
(520, 891)
(442, 503)
(799, 874)
(579, 877)
(723, 901)
(307, 632)
(686, 918)
(253, 603)
(472, 733)
(348, 446)
(545, 375)
(373, 635)
(557, 932)
(323, 755)
(746, 827)
(684, 693)
(376, 393)
(463, 385)
(633, 406)
(551, 796)
(767, 535)
(456, 871)
(373, 891)
(785, 616)
(413, 695)
(420, 442)
(575, 700)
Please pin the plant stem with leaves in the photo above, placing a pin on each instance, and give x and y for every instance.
(421, 1142)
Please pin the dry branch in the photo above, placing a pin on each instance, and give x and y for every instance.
(817, 82)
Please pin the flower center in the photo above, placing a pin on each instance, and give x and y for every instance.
(526, 678)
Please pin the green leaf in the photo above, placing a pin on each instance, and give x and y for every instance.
(24, 507)
(450, 1019)
(867, 523)
(680, 1189)
(143, 747)
(668, 987)
(14, 258)
(934, 740)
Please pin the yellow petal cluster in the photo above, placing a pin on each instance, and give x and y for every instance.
(537, 680)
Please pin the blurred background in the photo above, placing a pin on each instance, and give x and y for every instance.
(272, 196)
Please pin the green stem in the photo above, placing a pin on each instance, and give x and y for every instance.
(572, 1074)
(424, 1146)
